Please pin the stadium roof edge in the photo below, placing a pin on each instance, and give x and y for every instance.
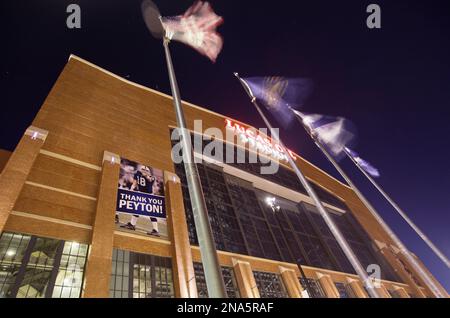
(75, 57)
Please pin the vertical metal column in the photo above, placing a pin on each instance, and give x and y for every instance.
(213, 274)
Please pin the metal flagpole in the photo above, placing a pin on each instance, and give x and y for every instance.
(312, 194)
(402, 214)
(403, 249)
(213, 272)
(380, 220)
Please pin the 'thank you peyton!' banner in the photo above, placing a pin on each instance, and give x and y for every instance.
(140, 203)
(140, 199)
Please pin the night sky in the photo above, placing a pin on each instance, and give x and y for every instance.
(393, 83)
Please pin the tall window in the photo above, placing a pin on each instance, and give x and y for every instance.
(259, 238)
(270, 285)
(69, 279)
(12, 250)
(297, 238)
(344, 290)
(331, 245)
(136, 275)
(355, 236)
(359, 244)
(223, 220)
(36, 267)
(202, 289)
(228, 278)
(120, 275)
(315, 290)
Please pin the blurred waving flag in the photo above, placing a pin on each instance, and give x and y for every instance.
(196, 28)
(278, 94)
(367, 167)
(333, 132)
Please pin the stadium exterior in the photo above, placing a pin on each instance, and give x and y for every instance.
(58, 202)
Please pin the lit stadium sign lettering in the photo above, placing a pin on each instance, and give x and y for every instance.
(258, 142)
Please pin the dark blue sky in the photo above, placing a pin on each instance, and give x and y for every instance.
(393, 83)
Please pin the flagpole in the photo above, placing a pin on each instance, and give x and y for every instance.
(380, 220)
(436, 290)
(312, 194)
(422, 235)
(210, 261)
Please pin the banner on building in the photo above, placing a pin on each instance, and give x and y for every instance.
(141, 205)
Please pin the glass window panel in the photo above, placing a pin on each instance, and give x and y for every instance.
(57, 292)
(118, 284)
(125, 283)
(64, 260)
(148, 271)
(314, 286)
(118, 271)
(38, 269)
(270, 285)
(71, 269)
(66, 292)
(343, 290)
(228, 277)
(75, 293)
(12, 250)
(66, 249)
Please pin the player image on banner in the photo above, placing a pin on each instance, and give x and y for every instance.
(140, 200)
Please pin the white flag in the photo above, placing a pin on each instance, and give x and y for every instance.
(366, 166)
(332, 132)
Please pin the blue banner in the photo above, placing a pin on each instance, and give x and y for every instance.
(140, 203)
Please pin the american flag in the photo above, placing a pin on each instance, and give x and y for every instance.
(196, 28)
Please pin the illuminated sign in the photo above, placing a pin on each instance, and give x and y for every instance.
(258, 141)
